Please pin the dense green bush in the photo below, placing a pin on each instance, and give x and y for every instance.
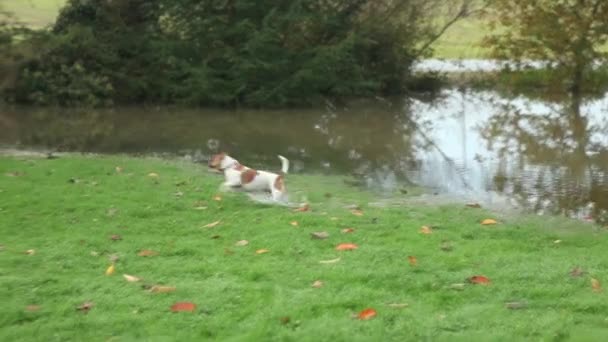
(230, 52)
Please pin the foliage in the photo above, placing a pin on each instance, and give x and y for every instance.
(237, 52)
(567, 34)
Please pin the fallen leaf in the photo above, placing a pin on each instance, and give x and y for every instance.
(262, 251)
(30, 252)
(412, 260)
(557, 242)
(479, 279)
(147, 253)
(319, 235)
(94, 253)
(426, 230)
(488, 222)
(516, 305)
(367, 314)
(357, 212)
(200, 208)
(212, 224)
(113, 258)
(331, 261)
(178, 194)
(217, 198)
(118, 169)
(32, 308)
(110, 270)
(162, 289)
(285, 320)
(294, 223)
(595, 285)
(14, 174)
(241, 243)
(346, 247)
(473, 205)
(347, 230)
(183, 306)
(115, 237)
(304, 207)
(317, 284)
(130, 278)
(216, 236)
(577, 272)
(85, 307)
(398, 305)
(153, 175)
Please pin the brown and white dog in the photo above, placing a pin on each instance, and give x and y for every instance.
(238, 175)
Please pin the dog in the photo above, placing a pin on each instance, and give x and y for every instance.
(237, 175)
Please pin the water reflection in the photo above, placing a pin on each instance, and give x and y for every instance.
(548, 157)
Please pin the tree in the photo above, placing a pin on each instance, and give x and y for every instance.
(569, 34)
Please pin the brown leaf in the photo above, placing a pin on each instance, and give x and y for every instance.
(516, 305)
(285, 320)
(412, 260)
(577, 272)
(426, 230)
(357, 212)
(317, 284)
(367, 314)
(130, 278)
(346, 247)
(110, 270)
(262, 251)
(304, 207)
(162, 289)
(332, 261)
(183, 306)
(319, 235)
(32, 308)
(294, 223)
(595, 285)
(480, 280)
(212, 224)
(216, 236)
(473, 205)
(115, 237)
(241, 243)
(85, 307)
(147, 253)
(347, 230)
(488, 222)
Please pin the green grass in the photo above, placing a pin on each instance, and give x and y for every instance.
(66, 210)
(34, 13)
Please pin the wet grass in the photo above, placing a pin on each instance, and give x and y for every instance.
(67, 209)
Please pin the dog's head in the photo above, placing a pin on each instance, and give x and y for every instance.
(216, 160)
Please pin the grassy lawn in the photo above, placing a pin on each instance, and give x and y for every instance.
(35, 13)
(75, 213)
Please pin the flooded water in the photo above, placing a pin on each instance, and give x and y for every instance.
(550, 158)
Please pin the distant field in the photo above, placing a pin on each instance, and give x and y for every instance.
(459, 42)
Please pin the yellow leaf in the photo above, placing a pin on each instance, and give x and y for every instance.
(294, 223)
(110, 270)
(162, 289)
(595, 285)
(130, 278)
(426, 230)
(488, 222)
(317, 284)
(217, 198)
(241, 243)
(357, 212)
(212, 224)
(153, 175)
(261, 251)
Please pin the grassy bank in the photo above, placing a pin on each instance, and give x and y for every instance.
(63, 220)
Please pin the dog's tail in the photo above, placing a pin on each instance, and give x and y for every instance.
(284, 164)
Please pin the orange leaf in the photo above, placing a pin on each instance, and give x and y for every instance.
(357, 212)
(488, 222)
(426, 230)
(183, 306)
(412, 259)
(147, 253)
(346, 247)
(261, 251)
(212, 224)
(162, 289)
(294, 223)
(595, 284)
(367, 314)
(347, 230)
(302, 208)
(479, 279)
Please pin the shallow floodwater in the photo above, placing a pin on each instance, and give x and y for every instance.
(550, 158)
